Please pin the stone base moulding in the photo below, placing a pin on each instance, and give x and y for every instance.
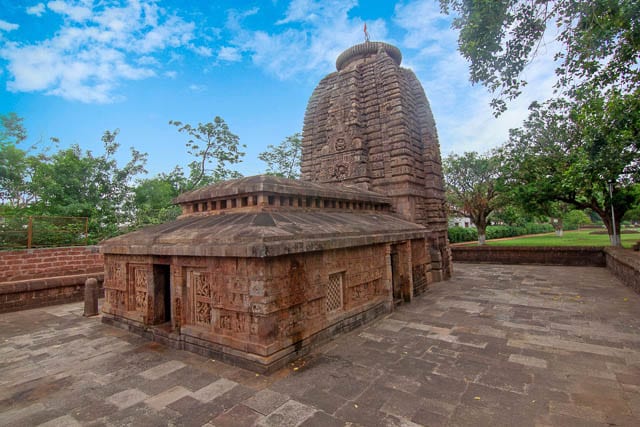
(261, 364)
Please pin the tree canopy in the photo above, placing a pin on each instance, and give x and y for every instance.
(284, 159)
(73, 182)
(472, 187)
(572, 146)
(214, 147)
(596, 43)
(565, 152)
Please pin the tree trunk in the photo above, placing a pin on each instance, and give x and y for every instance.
(558, 226)
(481, 226)
(482, 238)
(614, 240)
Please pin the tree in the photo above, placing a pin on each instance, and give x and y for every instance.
(16, 165)
(211, 144)
(510, 214)
(568, 152)
(472, 187)
(284, 159)
(13, 130)
(597, 43)
(75, 183)
(576, 218)
(153, 198)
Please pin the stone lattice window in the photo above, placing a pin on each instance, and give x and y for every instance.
(334, 292)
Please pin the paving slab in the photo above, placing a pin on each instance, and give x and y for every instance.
(494, 346)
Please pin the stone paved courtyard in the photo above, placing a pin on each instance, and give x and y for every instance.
(496, 345)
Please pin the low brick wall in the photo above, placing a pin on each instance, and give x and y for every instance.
(625, 265)
(576, 256)
(38, 277)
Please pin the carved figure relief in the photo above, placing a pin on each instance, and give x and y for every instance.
(141, 301)
(340, 171)
(203, 313)
(225, 322)
(116, 275)
(199, 283)
(139, 276)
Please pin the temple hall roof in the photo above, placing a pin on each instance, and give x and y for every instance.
(263, 234)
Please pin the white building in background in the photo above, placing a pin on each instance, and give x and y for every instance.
(460, 221)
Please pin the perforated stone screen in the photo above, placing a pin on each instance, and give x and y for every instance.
(334, 292)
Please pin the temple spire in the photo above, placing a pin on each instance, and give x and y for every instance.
(366, 33)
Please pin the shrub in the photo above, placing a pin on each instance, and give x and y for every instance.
(460, 234)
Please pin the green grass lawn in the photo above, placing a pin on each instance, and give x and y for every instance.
(570, 238)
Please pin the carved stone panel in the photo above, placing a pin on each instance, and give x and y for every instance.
(116, 277)
(138, 288)
(201, 286)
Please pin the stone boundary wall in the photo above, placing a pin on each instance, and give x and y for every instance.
(625, 265)
(570, 255)
(32, 278)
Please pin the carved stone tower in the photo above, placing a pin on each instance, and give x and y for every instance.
(369, 124)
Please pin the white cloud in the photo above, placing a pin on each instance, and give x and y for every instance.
(311, 36)
(8, 26)
(197, 88)
(147, 60)
(229, 54)
(70, 9)
(97, 48)
(36, 10)
(202, 50)
(426, 27)
(171, 74)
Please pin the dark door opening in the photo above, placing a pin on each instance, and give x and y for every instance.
(162, 293)
(395, 279)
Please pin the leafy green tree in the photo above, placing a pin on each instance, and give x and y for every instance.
(472, 187)
(597, 43)
(16, 165)
(576, 218)
(13, 130)
(75, 183)
(564, 153)
(214, 147)
(284, 159)
(153, 198)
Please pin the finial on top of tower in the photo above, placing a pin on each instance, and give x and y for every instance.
(366, 33)
(366, 49)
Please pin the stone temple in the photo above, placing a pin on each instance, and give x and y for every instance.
(258, 270)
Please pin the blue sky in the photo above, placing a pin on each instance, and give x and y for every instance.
(75, 68)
